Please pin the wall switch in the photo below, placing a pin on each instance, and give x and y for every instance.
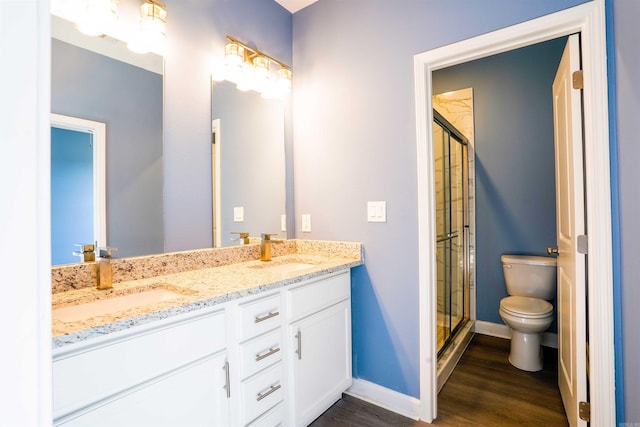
(283, 222)
(306, 223)
(377, 211)
(238, 214)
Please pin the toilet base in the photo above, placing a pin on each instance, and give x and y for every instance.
(526, 352)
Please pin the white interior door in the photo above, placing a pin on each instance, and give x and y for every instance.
(570, 216)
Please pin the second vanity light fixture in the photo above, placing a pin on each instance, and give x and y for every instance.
(251, 69)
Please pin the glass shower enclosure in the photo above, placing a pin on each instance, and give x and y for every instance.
(452, 229)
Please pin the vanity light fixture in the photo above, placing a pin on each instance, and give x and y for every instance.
(251, 69)
(151, 34)
(97, 17)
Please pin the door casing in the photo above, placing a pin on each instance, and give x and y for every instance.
(587, 19)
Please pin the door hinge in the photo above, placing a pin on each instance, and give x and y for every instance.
(583, 244)
(578, 81)
(584, 409)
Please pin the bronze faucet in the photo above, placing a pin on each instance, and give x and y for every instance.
(265, 246)
(104, 267)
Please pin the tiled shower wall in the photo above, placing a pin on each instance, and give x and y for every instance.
(457, 108)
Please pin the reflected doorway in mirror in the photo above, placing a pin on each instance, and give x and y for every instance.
(65, 130)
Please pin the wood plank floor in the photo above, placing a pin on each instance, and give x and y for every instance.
(484, 390)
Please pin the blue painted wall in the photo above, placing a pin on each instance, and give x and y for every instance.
(354, 113)
(71, 193)
(625, 68)
(128, 100)
(515, 176)
(354, 132)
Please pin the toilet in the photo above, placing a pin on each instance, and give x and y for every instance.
(531, 284)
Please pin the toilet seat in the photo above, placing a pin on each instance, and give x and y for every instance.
(531, 308)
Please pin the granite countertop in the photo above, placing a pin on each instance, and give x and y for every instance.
(194, 290)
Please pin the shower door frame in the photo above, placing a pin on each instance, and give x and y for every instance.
(459, 138)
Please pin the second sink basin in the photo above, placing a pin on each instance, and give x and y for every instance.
(284, 267)
(118, 303)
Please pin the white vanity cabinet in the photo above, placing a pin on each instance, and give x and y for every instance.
(258, 375)
(277, 358)
(319, 343)
(167, 373)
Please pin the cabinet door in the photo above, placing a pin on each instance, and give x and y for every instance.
(193, 396)
(321, 361)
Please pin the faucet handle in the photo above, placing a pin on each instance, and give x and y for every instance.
(107, 252)
(270, 236)
(86, 253)
(86, 247)
(243, 235)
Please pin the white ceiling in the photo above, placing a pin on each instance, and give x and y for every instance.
(295, 5)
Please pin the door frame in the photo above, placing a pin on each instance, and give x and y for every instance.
(587, 19)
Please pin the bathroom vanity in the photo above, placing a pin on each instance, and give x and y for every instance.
(271, 348)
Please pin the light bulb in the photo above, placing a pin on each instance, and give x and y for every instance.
(151, 34)
(97, 17)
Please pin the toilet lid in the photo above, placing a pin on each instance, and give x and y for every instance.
(526, 306)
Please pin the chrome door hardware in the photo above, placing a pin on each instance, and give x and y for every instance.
(299, 349)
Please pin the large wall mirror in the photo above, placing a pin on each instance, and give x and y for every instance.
(97, 80)
(248, 164)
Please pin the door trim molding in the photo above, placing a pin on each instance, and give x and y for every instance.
(589, 20)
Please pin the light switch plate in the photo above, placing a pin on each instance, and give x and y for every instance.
(306, 223)
(377, 211)
(283, 222)
(238, 214)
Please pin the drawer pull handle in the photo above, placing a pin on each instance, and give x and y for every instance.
(267, 316)
(272, 350)
(264, 394)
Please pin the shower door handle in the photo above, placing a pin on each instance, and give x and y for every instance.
(552, 250)
(448, 236)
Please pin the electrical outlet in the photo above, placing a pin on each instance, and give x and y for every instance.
(283, 222)
(306, 223)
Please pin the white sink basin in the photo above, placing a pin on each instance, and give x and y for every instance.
(110, 305)
(289, 267)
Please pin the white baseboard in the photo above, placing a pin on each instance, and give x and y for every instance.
(503, 331)
(410, 406)
(385, 398)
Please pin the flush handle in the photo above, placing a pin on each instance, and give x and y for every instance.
(552, 251)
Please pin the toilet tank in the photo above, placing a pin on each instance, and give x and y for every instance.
(530, 275)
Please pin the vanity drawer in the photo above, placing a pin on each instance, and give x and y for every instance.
(93, 372)
(261, 392)
(259, 316)
(312, 297)
(260, 352)
(273, 418)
